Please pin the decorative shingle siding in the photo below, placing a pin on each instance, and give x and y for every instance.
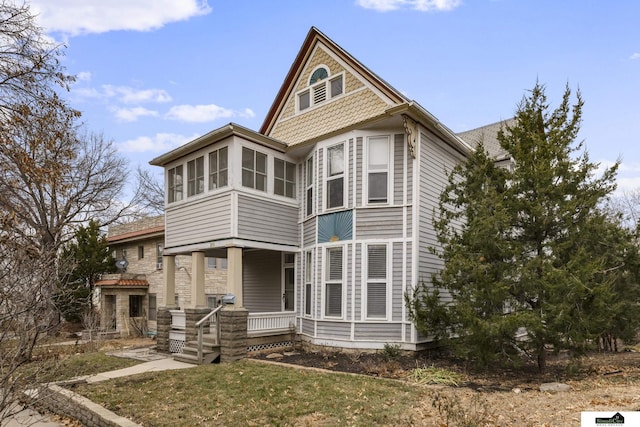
(353, 107)
(319, 57)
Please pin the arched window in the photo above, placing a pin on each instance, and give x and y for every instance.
(321, 88)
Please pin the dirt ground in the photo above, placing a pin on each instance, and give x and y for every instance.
(500, 396)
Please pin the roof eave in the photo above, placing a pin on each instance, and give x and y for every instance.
(214, 136)
(421, 115)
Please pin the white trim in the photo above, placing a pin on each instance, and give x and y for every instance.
(365, 170)
(230, 243)
(327, 87)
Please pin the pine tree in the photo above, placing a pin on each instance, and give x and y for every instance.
(86, 258)
(524, 269)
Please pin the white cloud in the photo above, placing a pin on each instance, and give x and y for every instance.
(129, 95)
(125, 94)
(161, 142)
(75, 17)
(205, 113)
(83, 76)
(420, 5)
(132, 114)
(636, 55)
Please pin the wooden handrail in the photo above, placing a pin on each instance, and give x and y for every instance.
(200, 325)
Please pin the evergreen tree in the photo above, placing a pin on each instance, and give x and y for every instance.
(524, 247)
(85, 259)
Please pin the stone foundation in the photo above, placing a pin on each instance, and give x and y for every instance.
(163, 328)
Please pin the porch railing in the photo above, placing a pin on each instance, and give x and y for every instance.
(264, 323)
(211, 319)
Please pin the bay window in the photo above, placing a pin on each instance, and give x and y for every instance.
(335, 176)
(333, 283)
(376, 281)
(309, 182)
(378, 169)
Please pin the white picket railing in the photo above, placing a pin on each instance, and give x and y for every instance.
(264, 323)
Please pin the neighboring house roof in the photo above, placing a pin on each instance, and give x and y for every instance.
(123, 283)
(136, 235)
(488, 136)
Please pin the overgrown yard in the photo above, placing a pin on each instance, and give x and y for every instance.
(255, 393)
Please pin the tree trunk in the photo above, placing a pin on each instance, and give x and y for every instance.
(542, 358)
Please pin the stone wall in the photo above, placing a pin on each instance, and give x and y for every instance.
(62, 401)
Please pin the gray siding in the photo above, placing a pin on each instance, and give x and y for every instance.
(383, 332)
(307, 327)
(397, 297)
(310, 233)
(338, 330)
(436, 162)
(266, 221)
(204, 220)
(377, 223)
(398, 169)
(262, 285)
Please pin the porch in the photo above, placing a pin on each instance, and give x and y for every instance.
(264, 330)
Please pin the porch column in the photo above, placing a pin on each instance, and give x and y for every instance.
(169, 295)
(169, 272)
(198, 299)
(234, 274)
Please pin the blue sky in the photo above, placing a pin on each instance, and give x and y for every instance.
(154, 74)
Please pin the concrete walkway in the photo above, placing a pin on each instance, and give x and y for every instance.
(152, 362)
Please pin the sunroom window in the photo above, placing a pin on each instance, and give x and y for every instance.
(218, 168)
(175, 184)
(195, 176)
(284, 178)
(254, 169)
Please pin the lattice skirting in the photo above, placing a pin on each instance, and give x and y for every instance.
(269, 346)
(176, 346)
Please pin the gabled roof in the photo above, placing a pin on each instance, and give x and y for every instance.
(313, 38)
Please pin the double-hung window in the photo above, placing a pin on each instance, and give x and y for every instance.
(254, 169)
(333, 283)
(308, 270)
(284, 178)
(218, 168)
(175, 184)
(195, 176)
(376, 281)
(309, 182)
(335, 176)
(159, 251)
(378, 169)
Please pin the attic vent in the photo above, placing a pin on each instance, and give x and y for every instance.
(319, 93)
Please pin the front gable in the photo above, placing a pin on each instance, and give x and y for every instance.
(362, 97)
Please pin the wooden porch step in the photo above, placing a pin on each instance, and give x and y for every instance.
(190, 355)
